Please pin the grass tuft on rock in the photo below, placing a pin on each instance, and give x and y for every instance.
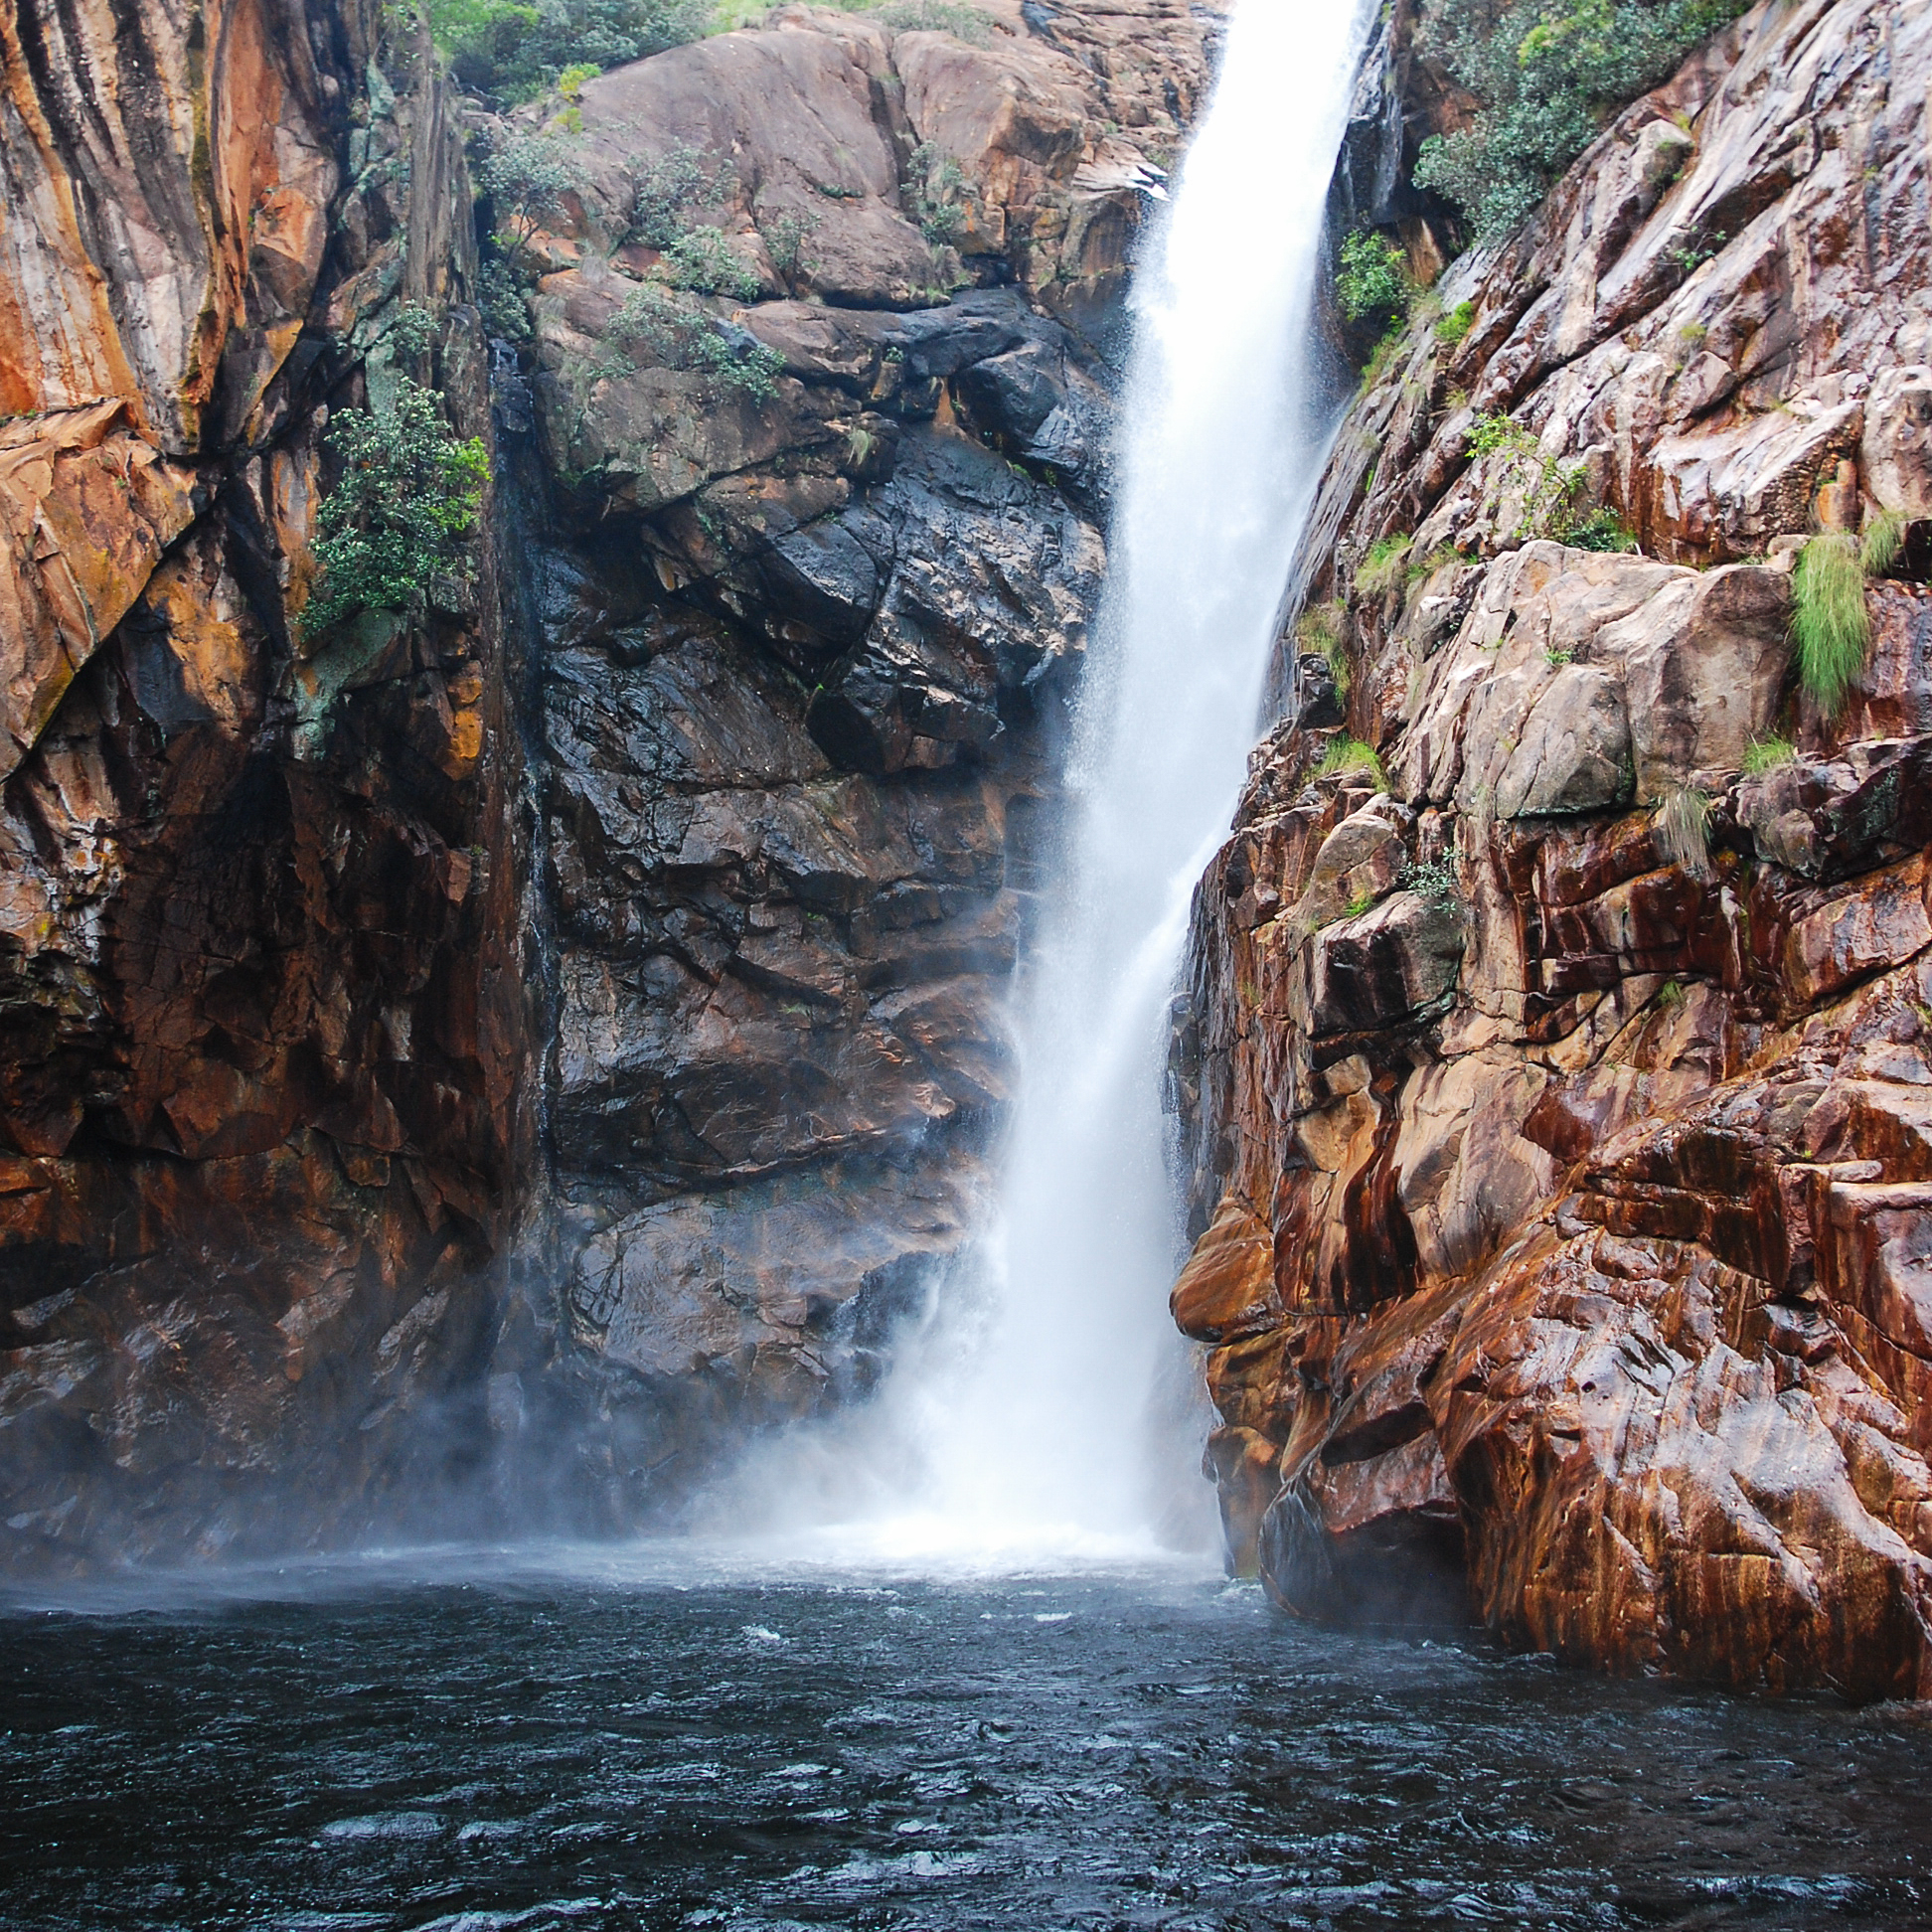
(1349, 758)
(1380, 570)
(1767, 754)
(1683, 829)
(1884, 538)
(1829, 623)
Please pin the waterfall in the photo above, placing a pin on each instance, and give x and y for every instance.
(1028, 1431)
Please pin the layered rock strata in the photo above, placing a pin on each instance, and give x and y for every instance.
(1555, 1082)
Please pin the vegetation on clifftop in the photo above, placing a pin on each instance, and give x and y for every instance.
(1548, 73)
(515, 51)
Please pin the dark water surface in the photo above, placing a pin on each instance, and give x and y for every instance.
(1094, 1750)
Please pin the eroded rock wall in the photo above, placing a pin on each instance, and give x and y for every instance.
(476, 1069)
(1555, 1093)
(804, 662)
(262, 1110)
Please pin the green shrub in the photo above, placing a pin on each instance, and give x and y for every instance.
(413, 331)
(1373, 279)
(676, 335)
(663, 187)
(934, 185)
(1884, 538)
(1382, 568)
(409, 495)
(785, 239)
(1454, 327)
(1436, 884)
(1829, 623)
(964, 23)
(1549, 488)
(1601, 530)
(515, 52)
(1350, 757)
(503, 300)
(1767, 754)
(1683, 829)
(1547, 74)
(704, 262)
(526, 179)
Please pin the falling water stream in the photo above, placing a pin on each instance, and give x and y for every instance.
(965, 1690)
(1030, 1419)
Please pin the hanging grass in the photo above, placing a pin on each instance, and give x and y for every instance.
(1350, 757)
(1683, 829)
(1318, 630)
(1378, 571)
(1829, 623)
(1884, 538)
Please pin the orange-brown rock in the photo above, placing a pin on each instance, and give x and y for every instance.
(1599, 1236)
(262, 1112)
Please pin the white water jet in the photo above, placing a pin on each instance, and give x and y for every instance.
(1020, 1428)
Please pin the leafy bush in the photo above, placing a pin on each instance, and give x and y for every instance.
(515, 51)
(1683, 829)
(1373, 279)
(1767, 754)
(676, 335)
(1547, 74)
(964, 23)
(665, 187)
(1454, 327)
(1436, 884)
(526, 179)
(503, 301)
(1602, 529)
(785, 239)
(413, 331)
(934, 183)
(1548, 487)
(704, 262)
(409, 492)
(1830, 622)
(1350, 757)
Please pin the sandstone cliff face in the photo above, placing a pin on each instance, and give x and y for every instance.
(507, 1055)
(260, 1095)
(1557, 1106)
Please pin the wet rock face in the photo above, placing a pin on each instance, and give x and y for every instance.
(556, 1032)
(1559, 1250)
(803, 663)
(262, 1112)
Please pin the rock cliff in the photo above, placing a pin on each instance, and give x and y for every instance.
(262, 1104)
(508, 1050)
(1554, 1062)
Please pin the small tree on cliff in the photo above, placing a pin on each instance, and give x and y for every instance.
(409, 496)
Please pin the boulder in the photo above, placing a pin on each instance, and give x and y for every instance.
(1384, 967)
(1896, 453)
(1575, 752)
